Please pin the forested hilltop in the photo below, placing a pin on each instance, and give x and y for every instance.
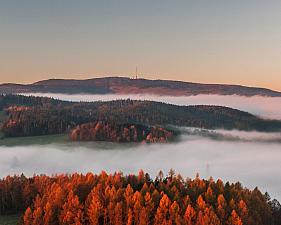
(125, 85)
(104, 131)
(93, 199)
(28, 116)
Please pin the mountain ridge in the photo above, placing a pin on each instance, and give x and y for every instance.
(32, 116)
(124, 85)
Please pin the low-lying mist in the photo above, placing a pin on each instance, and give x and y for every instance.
(266, 107)
(232, 135)
(252, 158)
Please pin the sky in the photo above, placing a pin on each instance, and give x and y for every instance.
(218, 41)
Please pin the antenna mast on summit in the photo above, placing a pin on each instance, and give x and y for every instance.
(136, 72)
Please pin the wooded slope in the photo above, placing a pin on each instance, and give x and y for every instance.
(27, 116)
(117, 199)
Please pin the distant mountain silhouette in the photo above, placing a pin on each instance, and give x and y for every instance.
(123, 85)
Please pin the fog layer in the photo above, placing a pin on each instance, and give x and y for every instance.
(266, 107)
(253, 163)
(253, 158)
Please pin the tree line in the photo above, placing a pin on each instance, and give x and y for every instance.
(49, 116)
(134, 199)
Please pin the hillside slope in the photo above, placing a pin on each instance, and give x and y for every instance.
(123, 85)
(134, 199)
(27, 116)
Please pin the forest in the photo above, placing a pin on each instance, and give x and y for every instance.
(134, 199)
(101, 131)
(29, 116)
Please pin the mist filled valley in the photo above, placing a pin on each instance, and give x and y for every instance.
(252, 162)
(253, 158)
(140, 113)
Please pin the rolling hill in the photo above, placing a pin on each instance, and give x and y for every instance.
(29, 116)
(123, 85)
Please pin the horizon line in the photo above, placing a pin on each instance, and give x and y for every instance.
(142, 78)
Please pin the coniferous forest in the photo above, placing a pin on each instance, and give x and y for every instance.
(117, 199)
(127, 199)
(29, 116)
(99, 97)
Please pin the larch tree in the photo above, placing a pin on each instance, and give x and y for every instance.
(221, 207)
(49, 217)
(201, 204)
(144, 217)
(28, 217)
(162, 215)
(175, 216)
(243, 211)
(209, 196)
(189, 215)
(37, 216)
(129, 217)
(118, 214)
(72, 211)
(137, 198)
(111, 212)
(129, 192)
(234, 219)
(207, 217)
(149, 205)
(95, 210)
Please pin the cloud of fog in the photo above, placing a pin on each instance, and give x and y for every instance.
(250, 162)
(267, 107)
(253, 158)
(232, 135)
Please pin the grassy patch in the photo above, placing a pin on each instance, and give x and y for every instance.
(34, 140)
(9, 219)
(3, 116)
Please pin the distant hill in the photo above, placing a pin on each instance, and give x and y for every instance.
(123, 85)
(30, 116)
